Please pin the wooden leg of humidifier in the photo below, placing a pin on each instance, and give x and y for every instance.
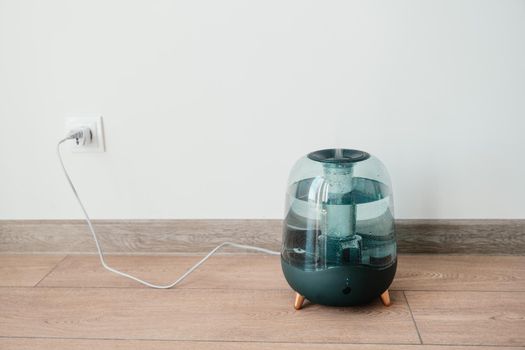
(299, 300)
(385, 298)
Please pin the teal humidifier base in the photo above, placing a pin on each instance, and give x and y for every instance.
(339, 244)
(339, 286)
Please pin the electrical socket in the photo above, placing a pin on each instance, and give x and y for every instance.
(94, 123)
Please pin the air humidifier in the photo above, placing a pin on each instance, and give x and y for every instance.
(339, 244)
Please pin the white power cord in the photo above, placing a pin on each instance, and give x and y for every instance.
(80, 134)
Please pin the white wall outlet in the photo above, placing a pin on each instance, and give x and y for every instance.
(93, 122)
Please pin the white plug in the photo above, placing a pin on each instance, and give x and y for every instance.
(87, 131)
(83, 136)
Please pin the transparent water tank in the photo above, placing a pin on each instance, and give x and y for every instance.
(339, 245)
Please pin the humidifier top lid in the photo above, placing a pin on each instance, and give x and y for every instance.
(338, 156)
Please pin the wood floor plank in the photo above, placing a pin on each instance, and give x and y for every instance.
(255, 271)
(25, 270)
(252, 301)
(460, 272)
(252, 271)
(89, 344)
(193, 314)
(469, 318)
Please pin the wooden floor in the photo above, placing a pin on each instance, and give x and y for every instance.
(243, 302)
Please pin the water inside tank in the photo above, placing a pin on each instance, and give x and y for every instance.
(337, 219)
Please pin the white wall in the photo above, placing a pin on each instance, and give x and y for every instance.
(207, 104)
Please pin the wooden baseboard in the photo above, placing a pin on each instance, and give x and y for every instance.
(198, 236)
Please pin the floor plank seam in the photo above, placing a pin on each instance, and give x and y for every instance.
(50, 271)
(413, 319)
(266, 342)
(209, 341)
(256, 289)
